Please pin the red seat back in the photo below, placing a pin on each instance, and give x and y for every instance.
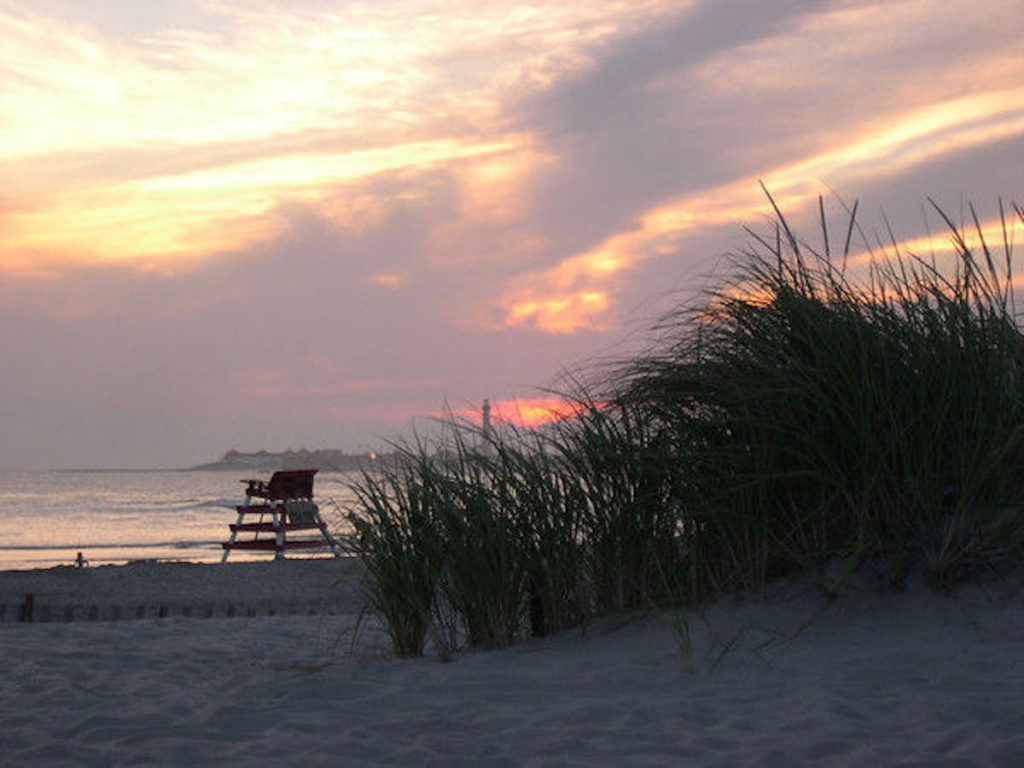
(284, 484)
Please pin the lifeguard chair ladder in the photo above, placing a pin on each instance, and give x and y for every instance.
(287, 509)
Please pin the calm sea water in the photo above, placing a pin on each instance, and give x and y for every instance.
(114, 517)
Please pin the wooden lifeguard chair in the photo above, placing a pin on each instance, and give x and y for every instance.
(286, 517)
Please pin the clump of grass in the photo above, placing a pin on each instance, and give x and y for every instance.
(831, 416)
(396, 539)
(545, 504)
(483, 578)
(809, 410)
(492, 555)
(518, 533)
(631, 522)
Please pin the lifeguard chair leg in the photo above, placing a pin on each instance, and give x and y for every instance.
(234, 532)
(335, 549)
(278, 521)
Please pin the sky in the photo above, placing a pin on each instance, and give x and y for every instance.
(267, 224)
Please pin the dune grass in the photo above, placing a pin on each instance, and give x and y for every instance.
(396, 532)
(809, 411)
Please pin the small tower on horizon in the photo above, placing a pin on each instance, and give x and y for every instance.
(485, 422)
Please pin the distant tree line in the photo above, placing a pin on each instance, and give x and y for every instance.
(324, 460)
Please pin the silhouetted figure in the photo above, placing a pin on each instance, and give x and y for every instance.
(80, 562)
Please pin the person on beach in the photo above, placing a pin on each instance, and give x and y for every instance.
(80, 562)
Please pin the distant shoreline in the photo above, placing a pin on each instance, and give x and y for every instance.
(200, 468)
(120, 471)
(324, 460)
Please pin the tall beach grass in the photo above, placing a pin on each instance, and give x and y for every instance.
(813, 409)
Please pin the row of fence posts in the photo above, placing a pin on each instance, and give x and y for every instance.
(29, 611)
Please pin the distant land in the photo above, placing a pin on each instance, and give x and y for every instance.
(325, 460)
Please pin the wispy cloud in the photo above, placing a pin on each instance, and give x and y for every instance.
(556, 299)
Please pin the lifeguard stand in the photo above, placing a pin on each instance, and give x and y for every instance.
(287, 510)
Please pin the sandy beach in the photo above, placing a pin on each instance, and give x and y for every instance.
(914, 678)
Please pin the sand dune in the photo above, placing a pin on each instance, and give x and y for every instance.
(872, 679)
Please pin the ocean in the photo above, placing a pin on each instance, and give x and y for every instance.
(47, 517)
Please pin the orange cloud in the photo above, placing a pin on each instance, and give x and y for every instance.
(938, 247)
(534, 412)
(564, 313)
(392, 280)
(941, 244)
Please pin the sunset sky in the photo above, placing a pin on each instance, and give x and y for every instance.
(274, 224)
